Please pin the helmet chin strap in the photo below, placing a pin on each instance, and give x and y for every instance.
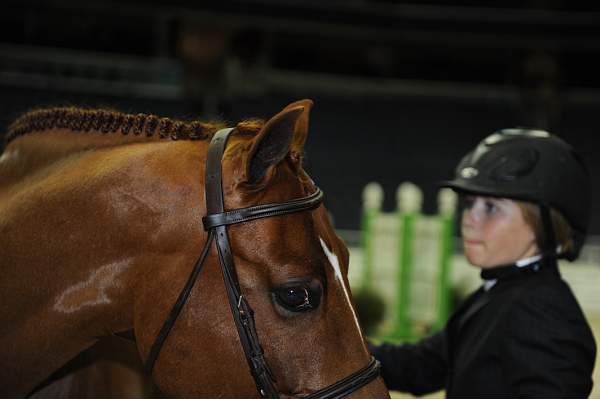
(549, 253)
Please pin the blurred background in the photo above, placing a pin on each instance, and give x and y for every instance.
(402, 89)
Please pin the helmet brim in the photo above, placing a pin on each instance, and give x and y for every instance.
(466, 187)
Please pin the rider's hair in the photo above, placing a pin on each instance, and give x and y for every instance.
(562, 229)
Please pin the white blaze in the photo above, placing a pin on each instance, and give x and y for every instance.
(333, 260)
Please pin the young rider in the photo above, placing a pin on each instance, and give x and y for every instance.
(522, 334)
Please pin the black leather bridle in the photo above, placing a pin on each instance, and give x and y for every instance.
(216, 222)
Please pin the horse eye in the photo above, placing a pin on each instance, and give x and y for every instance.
(298, 298)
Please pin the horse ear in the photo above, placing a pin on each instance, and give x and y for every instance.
(301, 130)
(283, 133)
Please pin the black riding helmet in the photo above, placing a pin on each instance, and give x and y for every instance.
(534, 166)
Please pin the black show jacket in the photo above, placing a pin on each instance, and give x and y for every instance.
(526, 337)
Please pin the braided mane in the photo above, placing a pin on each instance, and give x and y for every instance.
(110, 121)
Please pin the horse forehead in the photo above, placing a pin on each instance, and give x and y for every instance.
(293, 242)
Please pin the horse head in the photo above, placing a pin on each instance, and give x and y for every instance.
(292, 270)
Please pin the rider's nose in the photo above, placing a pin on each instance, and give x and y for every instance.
(468, 217)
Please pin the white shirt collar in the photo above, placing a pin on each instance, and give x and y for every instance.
(488, 284)
(528, 261)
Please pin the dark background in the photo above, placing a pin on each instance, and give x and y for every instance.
(402, 90)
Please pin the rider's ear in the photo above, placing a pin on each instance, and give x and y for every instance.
(283, 133)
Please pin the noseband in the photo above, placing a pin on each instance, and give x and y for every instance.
(216, 222)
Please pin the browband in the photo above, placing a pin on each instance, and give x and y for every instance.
(262, 211)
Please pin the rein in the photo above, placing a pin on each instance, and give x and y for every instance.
(216, 222)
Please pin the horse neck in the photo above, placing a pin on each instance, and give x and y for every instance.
(59, 308)
(75, 237)
(59, 319)
(42, 215)
(34, 151)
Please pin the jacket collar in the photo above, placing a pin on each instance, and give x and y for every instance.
(520, 268)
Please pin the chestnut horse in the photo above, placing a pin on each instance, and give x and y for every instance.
(101, 226)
